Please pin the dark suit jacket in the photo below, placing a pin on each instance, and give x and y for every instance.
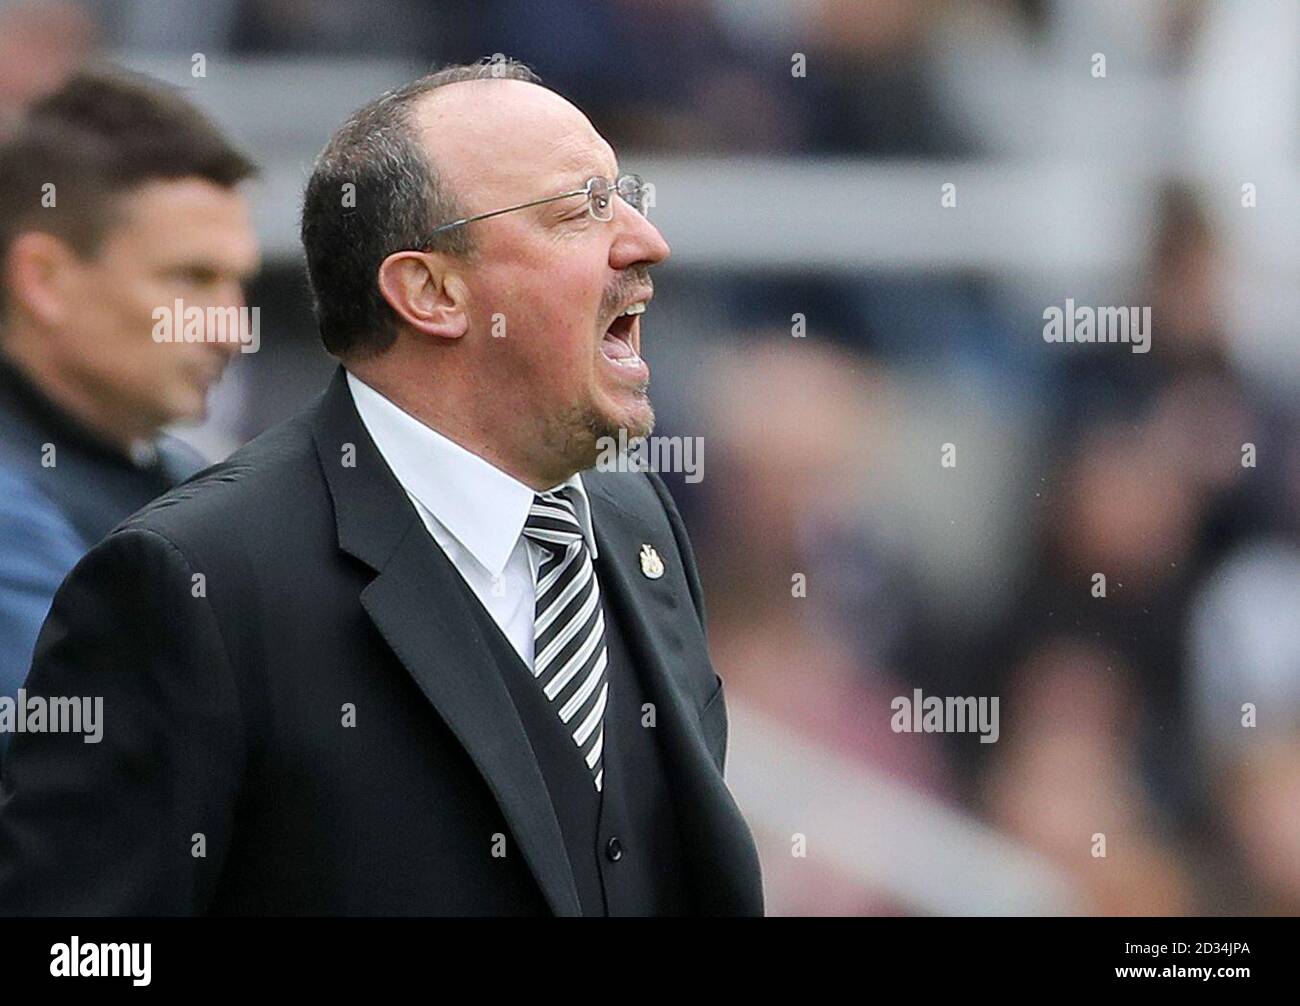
(233, 625)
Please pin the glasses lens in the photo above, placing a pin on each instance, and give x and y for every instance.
(635, 192)
(600, 199)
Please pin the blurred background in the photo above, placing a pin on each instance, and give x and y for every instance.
(827, 325)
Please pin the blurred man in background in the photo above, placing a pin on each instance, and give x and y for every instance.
(121, 199)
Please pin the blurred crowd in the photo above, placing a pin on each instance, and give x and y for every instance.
(675, 75)
(1164, 715)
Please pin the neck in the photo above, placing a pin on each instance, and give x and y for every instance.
(460, 418)
(31, 353)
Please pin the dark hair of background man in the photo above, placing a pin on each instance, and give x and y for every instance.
(103, 133)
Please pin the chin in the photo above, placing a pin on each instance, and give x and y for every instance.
(589, 429)
(636, 422)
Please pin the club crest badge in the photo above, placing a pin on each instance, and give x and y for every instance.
(651, 565)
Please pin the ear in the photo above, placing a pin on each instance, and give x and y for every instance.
(426, 294)
(39, 275)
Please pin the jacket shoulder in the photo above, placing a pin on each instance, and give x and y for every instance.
(263, 486)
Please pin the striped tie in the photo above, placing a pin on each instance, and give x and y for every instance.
(569, 657)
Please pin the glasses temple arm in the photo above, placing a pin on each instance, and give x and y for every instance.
(509, 209)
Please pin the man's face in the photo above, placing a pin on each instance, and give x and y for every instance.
(187, 239)
(548, 284)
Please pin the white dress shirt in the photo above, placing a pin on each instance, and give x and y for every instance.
(473, 510)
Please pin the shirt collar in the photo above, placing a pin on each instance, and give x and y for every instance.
(481, 506)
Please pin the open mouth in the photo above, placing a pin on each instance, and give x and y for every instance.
(622, 339)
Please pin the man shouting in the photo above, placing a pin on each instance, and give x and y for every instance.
(409, 653)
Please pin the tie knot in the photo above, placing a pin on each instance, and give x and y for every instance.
(553, 520)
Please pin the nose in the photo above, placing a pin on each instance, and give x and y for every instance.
(638, 241)
(230, 294)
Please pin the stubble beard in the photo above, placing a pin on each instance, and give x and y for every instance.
(589, 430)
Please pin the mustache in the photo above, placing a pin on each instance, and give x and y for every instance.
(633, 280)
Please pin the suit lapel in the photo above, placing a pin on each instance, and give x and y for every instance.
(418, 603)
(717, 843)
